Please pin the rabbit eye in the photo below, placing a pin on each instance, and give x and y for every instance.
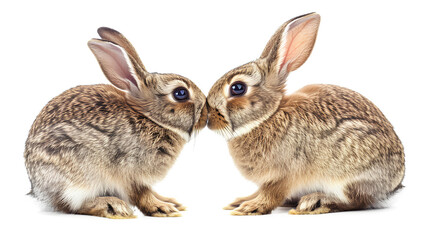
(181, 94)
(238, 89)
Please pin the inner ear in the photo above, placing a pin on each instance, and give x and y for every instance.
(290, 46)
(115, 63)
(297, 42)
(120, 64)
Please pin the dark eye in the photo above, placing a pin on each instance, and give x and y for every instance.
(238, 89)
(181, 94)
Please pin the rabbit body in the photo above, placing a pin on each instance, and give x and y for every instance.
(97, 149)
(324, 138)
(321, 149)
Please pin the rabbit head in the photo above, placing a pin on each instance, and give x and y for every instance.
(170, 100)
(248, 95)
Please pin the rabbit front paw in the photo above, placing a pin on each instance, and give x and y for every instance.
(176, 204)
(240, 200)
(233, 205)
(173, 201)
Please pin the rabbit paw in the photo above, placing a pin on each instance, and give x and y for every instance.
(179, 206)
(234, 204)
(252, 207)
(161, 209)
(108, 207)
(314, 203)
(240, 200)
(176, 204)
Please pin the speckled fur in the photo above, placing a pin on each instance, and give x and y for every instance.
(98, 141)
(326, 147)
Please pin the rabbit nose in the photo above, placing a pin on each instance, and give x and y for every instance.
(211, 111)
(216, 119)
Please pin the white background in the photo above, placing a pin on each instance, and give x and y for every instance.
(378, 48)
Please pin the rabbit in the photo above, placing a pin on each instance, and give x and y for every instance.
(98, 149)
(321, 149)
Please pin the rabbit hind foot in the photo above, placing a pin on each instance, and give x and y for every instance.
(317, 203)
(108, 207)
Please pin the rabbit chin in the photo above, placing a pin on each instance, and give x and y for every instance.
(228, 133)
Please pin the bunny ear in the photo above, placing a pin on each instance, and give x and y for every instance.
(116, 65)
(119, 39)
(291, 45)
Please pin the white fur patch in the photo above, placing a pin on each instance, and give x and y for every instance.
(248, 127)
(181, 133)
(333, 188)
(76, 196)
(229, 134)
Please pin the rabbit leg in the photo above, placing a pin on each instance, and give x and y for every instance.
(177, 205)
(145, 200)
(317, 203)
(240, 200)
(271, 195)
(108, 207)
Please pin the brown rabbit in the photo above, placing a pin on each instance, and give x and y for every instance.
(321, 149)
(98, 149)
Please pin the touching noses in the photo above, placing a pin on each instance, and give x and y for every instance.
(216, 119)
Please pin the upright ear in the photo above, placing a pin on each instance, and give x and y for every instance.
(119, 39)
(116, 65)
(291, 45)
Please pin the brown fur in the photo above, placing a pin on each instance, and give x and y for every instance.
(96, 149)
(326, 146)
(202, 122)
(217, 120)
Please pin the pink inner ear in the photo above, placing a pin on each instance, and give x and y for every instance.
(115, 64)
(288, 50)
(298, 43)
(294, 42)
(120, 65)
